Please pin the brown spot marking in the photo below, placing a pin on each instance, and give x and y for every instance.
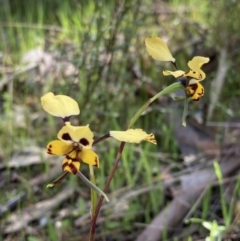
(152, 138)
(96, 162)
(201, 94)
(64, 165)
(76, 159)
(49, 150)
(190, 92)
(73, 168)
(66, 137)
(194, 86)
(84, 141)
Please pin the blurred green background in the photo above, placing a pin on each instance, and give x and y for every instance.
(94, 52)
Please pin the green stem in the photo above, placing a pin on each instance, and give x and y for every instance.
(92, 186)
(170, 89)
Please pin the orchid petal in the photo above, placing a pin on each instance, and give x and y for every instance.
(176, 73)
(59, 105)
(79, 134)
(89, 157)
(59, 148)
(195, 65)
(70, 165)
(158, 49)
(194, 90)
(133, 136)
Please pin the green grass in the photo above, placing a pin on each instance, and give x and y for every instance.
(105, 42)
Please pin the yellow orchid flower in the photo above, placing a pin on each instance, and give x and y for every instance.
(60, 105)
(75, 143)
(133, 136)
(158, 49)
(190, 79)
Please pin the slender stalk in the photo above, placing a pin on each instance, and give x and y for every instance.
(93, 224)
(101, 138)
(170, 89)
(58, 180)
(93, 193)
(92, 186)
(175, 65)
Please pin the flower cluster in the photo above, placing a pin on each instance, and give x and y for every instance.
(75, 142)
(190, 79)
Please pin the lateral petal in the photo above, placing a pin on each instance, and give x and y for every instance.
(59, 148)
(176, 73)
(133, 136)
(89, 157)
